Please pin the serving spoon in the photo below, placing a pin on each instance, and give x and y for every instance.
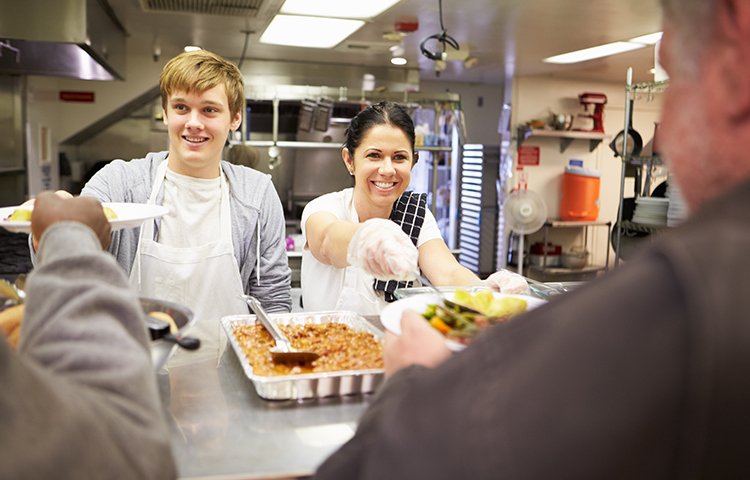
(450, 304)
(283, 352)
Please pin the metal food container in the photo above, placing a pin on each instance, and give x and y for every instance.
(308, 385)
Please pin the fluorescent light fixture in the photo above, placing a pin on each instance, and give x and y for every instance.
(359, 9)
(650, 39)
(594, 52)
(398, 61)
(192, 48)
(312, 32)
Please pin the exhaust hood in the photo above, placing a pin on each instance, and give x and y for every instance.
(66, 38)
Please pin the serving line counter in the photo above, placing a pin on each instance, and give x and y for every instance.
(221, 429)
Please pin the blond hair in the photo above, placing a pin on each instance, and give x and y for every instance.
(199, 71)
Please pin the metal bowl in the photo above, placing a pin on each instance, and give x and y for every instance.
(162, 350)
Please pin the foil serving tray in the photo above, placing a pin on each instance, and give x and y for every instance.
(308, 385)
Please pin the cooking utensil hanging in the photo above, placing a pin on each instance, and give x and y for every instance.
(244, 154)
(635, 141)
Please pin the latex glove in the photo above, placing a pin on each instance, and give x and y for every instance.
(505, 281)
(383, 250)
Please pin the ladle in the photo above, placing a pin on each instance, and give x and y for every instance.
(157, 328)
(283, 352)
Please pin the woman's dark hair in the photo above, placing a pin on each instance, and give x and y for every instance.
(383, 113)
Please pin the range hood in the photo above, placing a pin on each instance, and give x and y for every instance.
(66, 38)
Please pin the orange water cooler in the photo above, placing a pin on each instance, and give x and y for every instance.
(580, 194)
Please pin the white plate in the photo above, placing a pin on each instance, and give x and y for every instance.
(129, 215)
(390, 317)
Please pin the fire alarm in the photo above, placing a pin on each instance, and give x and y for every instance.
(407, 25)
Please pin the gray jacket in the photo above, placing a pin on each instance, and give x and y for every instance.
(253, 201)
(78, 399)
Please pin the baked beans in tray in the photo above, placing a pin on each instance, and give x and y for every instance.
(350, 347)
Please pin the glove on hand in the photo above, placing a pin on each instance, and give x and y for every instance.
(383, 250)
(505, 281)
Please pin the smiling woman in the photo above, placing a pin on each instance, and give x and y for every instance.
(366, 241)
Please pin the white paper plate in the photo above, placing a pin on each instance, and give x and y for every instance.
(129, 215)
(390, 317)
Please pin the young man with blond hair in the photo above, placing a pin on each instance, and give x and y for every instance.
(224, 234)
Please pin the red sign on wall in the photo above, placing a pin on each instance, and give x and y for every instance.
(528, 155)
(68, 96)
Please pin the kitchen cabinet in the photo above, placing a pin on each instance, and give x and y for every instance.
(546, 272)
(566, 136)
(639, 163)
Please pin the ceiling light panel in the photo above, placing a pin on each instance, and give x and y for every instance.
(594, 52)
(650, 39)
(311, 32)
(359, 9)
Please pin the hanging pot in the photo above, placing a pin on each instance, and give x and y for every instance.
(635, 141)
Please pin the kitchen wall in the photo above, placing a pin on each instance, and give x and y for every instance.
(59, 119)
(535, 97)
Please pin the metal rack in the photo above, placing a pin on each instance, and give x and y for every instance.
(588, 270)
(633, 90)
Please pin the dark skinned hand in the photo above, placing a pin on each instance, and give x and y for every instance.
(50, 209)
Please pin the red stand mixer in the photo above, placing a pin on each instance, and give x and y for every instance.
(597, 100)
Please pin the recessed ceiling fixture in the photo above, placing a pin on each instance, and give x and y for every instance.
(312, 32)
(192, 48)
(605, 50)
(358, 9)
(398, 61)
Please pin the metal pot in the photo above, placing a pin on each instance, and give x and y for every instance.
(574, 259)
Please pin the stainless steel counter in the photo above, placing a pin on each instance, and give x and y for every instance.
(221, 428)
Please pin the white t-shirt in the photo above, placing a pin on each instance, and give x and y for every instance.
(194, 217)
(322, 284)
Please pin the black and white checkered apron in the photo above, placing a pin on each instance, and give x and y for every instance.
(408, 212)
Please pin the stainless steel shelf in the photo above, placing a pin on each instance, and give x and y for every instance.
(566, 136)
(627, 225)
(566, 223)
(336, 146)
(567, 271)
(12, 170)
(652, 160)
(648, 87)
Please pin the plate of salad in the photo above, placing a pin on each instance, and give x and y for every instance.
(459, 326)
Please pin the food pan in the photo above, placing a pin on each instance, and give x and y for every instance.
(308, 385)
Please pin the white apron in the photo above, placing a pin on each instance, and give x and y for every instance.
(205, 279)
(358, 295)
